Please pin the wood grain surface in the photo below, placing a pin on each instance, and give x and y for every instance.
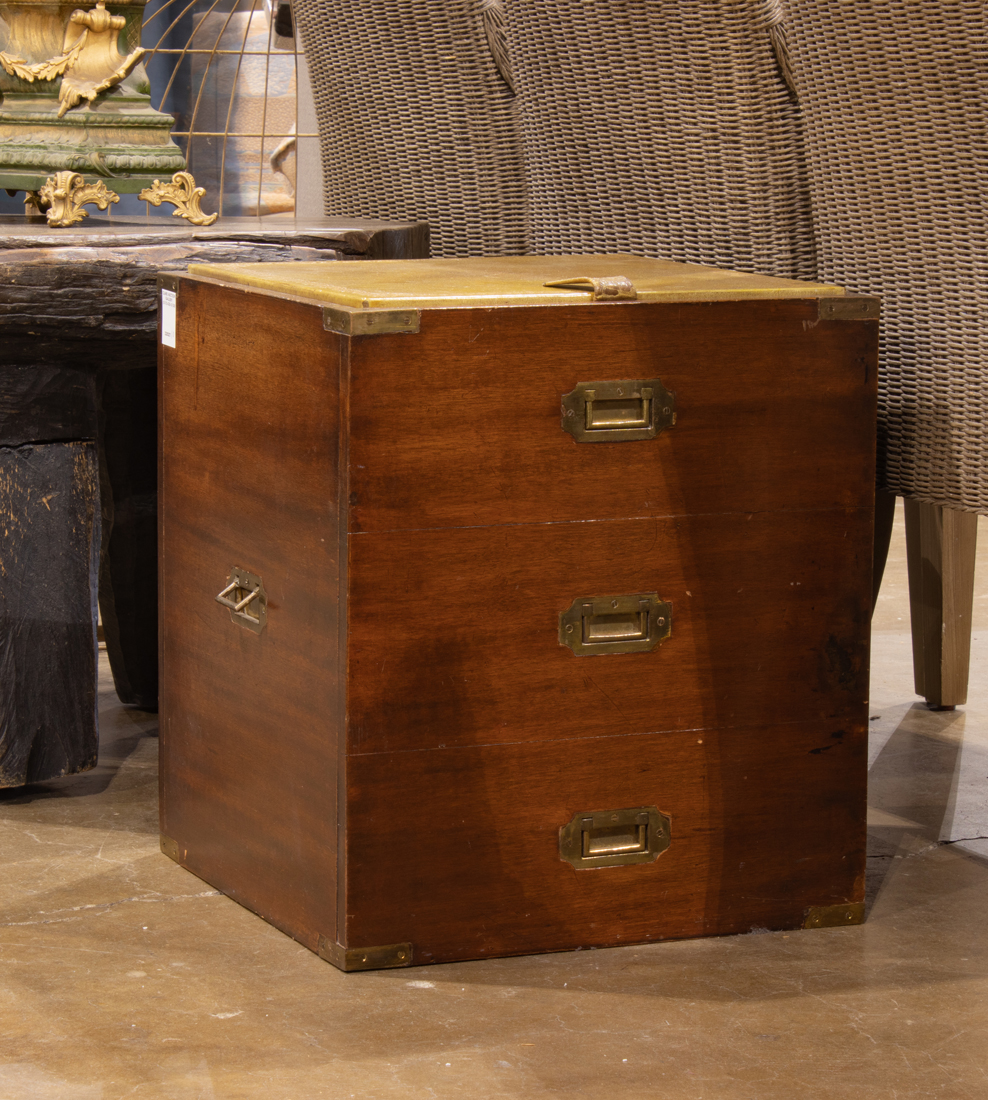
(392, 758)
(459, 425)
(250, 723)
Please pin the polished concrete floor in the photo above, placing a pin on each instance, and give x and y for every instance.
(122, 975)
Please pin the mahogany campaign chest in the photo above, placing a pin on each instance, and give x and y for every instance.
(515, 605)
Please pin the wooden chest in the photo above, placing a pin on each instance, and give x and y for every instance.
(543, 609)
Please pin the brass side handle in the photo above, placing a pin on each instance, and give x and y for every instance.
(615, 838)
(244, 595)
(617, 412)
(593, 626)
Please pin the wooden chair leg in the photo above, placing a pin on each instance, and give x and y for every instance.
(940, 549)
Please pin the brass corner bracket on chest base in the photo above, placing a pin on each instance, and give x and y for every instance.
(63, 196)
(834, 916)
(169, 847)
(388, 957)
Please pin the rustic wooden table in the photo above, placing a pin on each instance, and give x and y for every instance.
(78, 501)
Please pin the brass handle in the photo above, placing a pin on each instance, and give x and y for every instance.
(244, 595)
(615, 624)
(616, 412)
(610, 288)
(614, 838)
(249, 598)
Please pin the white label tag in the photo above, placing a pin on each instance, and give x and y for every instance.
(168, 318)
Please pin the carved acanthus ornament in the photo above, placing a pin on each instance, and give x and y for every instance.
(90, 62)
(17, 66)
(79, 59)
(64, 195)
(181, 193)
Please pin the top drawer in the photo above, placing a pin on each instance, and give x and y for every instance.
(456, 420)
(460, 424)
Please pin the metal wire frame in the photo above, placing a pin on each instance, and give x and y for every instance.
(193, 48)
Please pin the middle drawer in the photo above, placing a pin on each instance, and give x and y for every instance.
(453, 635)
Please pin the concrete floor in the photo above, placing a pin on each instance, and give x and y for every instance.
(122, 975)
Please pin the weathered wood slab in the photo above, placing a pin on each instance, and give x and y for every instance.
(64, 292)
(49, 520)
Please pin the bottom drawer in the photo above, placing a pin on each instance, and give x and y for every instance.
(456, 851)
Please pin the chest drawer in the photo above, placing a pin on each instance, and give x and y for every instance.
(461, 645)
(460, 424)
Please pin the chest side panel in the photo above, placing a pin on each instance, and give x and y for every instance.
(249, 407)
(459, 424)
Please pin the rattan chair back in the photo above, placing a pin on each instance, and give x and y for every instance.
(416, 120)
(664, 128)
(895, 99)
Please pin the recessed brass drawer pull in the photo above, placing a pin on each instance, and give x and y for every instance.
(614, 838)
(617, 412)
(615, 624)
(244, 595)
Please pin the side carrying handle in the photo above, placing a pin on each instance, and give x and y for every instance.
(244, 595)
(617, 412)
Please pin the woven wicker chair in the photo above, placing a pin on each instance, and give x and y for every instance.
(416, 120)
(894, 100)
(661, 127)
(651, 126)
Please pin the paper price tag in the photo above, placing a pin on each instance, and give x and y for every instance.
(168, 318)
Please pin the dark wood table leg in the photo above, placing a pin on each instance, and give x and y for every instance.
(128, 579)
(49, 501)
(49, 552)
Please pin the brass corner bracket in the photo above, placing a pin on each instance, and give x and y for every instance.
(348, 321)
(181, 193)
(169, 847)
(850, 307)
(834, 916)
(64, 194)
(386, 957)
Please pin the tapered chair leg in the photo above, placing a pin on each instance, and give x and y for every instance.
(940, 549)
